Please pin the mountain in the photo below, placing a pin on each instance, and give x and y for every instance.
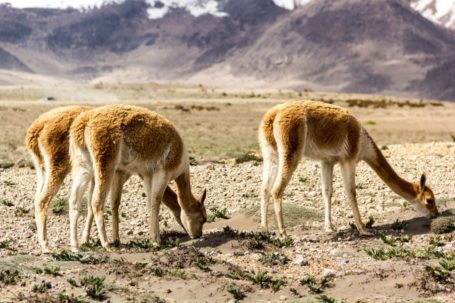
(346, 45)
(438, 11)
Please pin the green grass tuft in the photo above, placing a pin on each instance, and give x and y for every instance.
(60, 206)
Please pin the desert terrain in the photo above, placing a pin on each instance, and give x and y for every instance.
(404, 261)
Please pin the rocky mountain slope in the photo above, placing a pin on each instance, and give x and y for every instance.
(349, 45)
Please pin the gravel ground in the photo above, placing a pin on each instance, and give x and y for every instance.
(236, 187)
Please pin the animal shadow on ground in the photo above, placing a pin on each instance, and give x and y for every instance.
(414, 226)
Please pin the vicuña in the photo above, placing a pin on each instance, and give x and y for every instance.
(47, 140)
(330, 134)
(114, 141)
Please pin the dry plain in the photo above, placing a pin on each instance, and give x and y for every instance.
(220, 128)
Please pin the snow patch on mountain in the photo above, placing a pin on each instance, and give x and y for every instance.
(438, 11)
(157, 9)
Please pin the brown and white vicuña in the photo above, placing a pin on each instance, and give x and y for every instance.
(47, 140)
(114, 141)
(330, 134)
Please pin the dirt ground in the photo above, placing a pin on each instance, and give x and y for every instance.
(402, 262)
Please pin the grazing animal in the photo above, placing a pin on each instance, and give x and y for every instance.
(112, 141)
(47, 140)
(330, 134)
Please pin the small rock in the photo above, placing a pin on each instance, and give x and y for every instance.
(300, 260)
(328, 272)
(232, 301)
(333, 252)
(283, 298)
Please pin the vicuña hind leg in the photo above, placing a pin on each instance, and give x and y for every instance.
(348, 172)
(81, 178)
(103, 179)
(286, 167)
(116, 195)
(269, 172)
(327, 190)
(52, 181)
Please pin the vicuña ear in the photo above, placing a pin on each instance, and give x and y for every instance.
(423, 180)
(204, 194)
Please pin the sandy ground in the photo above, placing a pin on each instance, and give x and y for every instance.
(225, 261)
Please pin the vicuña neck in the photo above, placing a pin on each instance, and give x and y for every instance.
(184, 194)
(377, 161)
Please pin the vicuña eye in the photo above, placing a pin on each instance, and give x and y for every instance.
(430, 201)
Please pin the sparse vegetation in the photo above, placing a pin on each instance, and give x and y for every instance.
(41, 287)
(54, 271)
(94, 287)
(248, 157)
(59, 206)
(72, 282)
(217, 213)
(327, 299)
(303, 179)
(266, 281)
(402, 252)
(314, 285)
(444, 272)
(9, 276)
(6, 202)
(236, 293)
(178, 273)
(256, 240)
(84, 259)
(157, 271)
(370, 122)
(9, 182)
(202, 264)
(273, 258)
(91, 244)
(63, 297)
(6, 244)
(370, 222)
(398, 225)
(21, 211)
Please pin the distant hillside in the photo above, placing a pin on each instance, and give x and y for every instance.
(345, 45)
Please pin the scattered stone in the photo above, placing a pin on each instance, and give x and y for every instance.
(328, 272)
(300, 260)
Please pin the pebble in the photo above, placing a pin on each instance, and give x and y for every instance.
(300, 260)
(328, 272)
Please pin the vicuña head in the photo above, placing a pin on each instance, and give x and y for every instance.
(194, 219)
(424, 197)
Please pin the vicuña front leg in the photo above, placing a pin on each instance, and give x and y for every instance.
(116, 195)
(155, 187)
(327, 190)
(348, 172)
(103, 178)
